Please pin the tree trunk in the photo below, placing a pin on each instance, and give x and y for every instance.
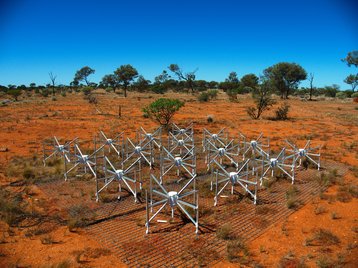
(125, 91)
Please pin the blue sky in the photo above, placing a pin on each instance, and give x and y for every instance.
(217, 37)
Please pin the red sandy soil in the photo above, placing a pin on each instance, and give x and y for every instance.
(334, 124)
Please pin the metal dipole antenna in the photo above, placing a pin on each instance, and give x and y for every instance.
(240, 178)
(55, 149)
(219, 139)
(307, 152)
(278, 163)
(82, 160)
(229, 151)
(174, 200)
(170, 161)
(118, 175)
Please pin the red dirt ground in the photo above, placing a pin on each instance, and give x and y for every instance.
(334, 124)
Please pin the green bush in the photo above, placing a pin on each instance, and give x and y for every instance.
(15, 93)
(162, 110)
(213, 93)
(354, 95)
(341, 95)
(203, 97)
(44, 92)
(282, 112)
(86, 90)
(225, 232)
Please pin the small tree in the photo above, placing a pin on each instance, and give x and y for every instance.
(310, 79)
(53, 79)
(83, 73)
(125, 74)
(162, 110)
(351, 58)
(141, 84)
(110, 80)
(262, 99)
(14, 93)
(249, 81)
(189, 77)
(285, 77)
(352, 80)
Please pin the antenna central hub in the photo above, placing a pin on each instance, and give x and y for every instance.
(119, 173)
(180, 142)
(137, 149)
(178, 161)
(253, 143)
(215, 137)
(302, 152)
(233, 177)
(173, 198)
(221, 151)
(273, 162)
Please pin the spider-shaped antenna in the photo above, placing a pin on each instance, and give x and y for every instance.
(168, 161)
(111, 175)
(183, 133)
(173, 199)
(253, 148)
(56, 149)
(139, 150)
(181, 147)
(228, 151)
(241, 177)
(82, 160)
(278, 163)
(154, 137)
(115, 144)
(219, 139)
(307, 152)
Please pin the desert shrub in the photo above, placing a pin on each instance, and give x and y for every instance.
(322, 237)
(262, 99)
(291, 197)
(48, 240)
(62, 264)
(289, 260)
(44, 92)
(28, 173)
(203, 97)
(341, 95)
(79, 216)
(225, 232)
(15, 93)
(63, 93)
(92, 99)
(86, 90)
(232, 94)
(324, 262)
(330, 178)
(213, 93)
(354, 95)
(320, 210)
(335, 216)
(210, 118)
(162, 110)
(208, 95)
(237, 251)
(282, 112)
(11, 210)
